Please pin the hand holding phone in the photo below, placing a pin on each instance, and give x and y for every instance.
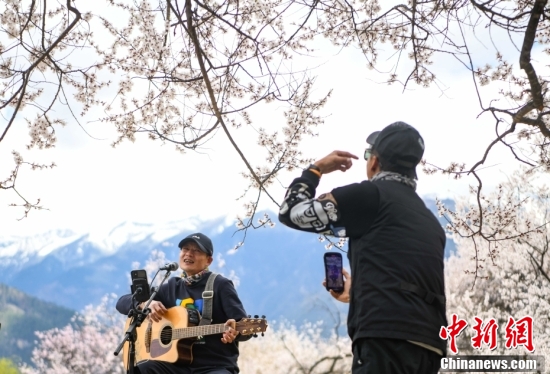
(334, 279)
(344, 295)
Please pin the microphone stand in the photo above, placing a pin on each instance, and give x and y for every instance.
(137, 318)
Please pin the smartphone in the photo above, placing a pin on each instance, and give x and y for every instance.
(333, 271)
(140, 285)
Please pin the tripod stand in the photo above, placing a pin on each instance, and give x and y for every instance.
(137, 316)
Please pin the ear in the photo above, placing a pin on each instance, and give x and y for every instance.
(209, 260)
(374, 164)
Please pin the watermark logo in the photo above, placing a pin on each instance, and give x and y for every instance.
(492, 364)
(485, 334)
(452, 331)
(518, 332)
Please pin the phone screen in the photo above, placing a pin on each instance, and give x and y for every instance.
(333, 272)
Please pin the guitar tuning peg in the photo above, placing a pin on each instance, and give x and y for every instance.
(255, 316)
(262, 334)
(255, 335)
(263, 316)
(248, 316)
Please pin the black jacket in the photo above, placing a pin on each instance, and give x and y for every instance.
(396, 251)
(209, 351)
(397, 268)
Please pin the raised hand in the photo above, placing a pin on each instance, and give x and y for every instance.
(336, 160)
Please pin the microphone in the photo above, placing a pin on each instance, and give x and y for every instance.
(171, 266)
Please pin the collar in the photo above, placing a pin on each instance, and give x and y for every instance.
(395, 177)
(192, 279)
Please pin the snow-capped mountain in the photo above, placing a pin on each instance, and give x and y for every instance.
(278, 271)
(76, 249)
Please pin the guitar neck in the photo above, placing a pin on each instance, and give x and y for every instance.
(192, 332)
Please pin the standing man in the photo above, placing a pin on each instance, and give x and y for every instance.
(396, 249)
(211, 354)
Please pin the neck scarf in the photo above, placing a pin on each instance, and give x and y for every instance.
(192, 279)
(396, 177)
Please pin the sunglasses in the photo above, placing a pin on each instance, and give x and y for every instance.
(368, 153)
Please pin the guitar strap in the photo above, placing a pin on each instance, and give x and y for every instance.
(208, 300)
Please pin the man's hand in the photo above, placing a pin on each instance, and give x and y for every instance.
(230, 334)
(344, 295)
(337, 160)
(157, 311)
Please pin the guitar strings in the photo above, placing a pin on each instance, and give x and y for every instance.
(207, 330)
(169, 334)
(212, 329)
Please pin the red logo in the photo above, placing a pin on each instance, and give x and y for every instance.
(485, 334)
(520, 332)
(452, 331)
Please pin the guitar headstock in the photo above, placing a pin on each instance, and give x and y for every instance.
(249, 326)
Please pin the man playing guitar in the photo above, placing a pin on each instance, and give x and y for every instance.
(210, 354)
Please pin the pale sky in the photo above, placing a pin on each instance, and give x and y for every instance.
(95, 186)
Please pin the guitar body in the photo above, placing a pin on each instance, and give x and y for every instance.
(155, 339)
(172, 338)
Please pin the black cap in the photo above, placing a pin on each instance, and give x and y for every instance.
(399, 147)
(203, 241)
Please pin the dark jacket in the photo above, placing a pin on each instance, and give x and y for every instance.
(396, 251)
(397, 268)
(208, 351)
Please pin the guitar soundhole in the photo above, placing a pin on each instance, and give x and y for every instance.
(166, 335)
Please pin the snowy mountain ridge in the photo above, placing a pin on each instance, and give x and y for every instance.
(277, 271)
(18, 252)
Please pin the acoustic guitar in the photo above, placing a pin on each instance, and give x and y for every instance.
(172, 338)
